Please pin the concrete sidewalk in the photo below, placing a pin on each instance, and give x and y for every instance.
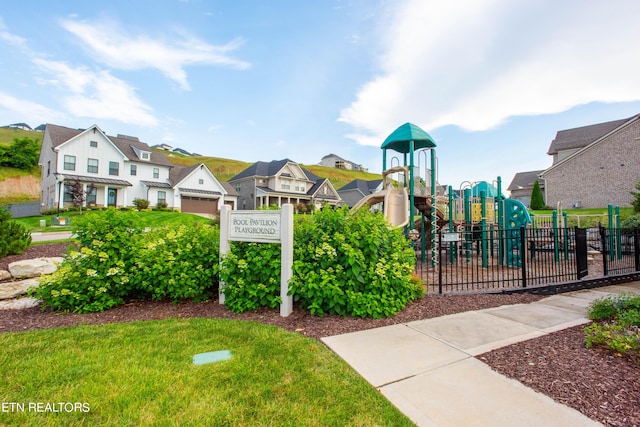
(427, 368)
(53, 235)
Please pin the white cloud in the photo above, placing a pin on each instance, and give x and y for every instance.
(88, 93)
(475, 64)
(115, 47)
(10, 38)
(28, 111)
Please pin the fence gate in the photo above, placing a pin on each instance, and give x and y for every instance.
(581, 252)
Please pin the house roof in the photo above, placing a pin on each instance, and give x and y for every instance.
(19, 125)
(365, 187)
(270, 169)
(60, 134)
(97, 180)
(316, 187)
(229, 189)
(522, 180)
(582, 136)
(178, 173)
(152, 184)
(198, 191)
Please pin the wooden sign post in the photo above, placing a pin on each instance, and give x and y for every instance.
(263, 227)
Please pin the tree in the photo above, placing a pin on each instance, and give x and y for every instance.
(537, 199)
(636, 199)
(14, 237)
(78, 196)
(23, 154)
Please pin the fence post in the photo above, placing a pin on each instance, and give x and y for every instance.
(636, 248)
(603, 243)
(440, 263)
(523, 256)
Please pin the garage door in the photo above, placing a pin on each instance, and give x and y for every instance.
(192, 204)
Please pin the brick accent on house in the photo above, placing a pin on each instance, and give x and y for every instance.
(605, 172)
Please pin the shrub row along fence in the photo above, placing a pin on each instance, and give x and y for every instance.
(530, 258)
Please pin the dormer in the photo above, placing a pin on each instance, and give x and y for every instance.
(142, 155)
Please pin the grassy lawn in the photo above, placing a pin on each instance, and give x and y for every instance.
(142, 373)
(149, 219)
(588, 217)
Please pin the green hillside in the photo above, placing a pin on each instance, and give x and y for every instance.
(225, 169)
(8, 135)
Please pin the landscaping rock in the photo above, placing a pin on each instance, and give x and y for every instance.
(34, 267)
(4, 275)
(19, 303)
(10, 290)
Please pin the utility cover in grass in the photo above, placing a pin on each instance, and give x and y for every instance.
(211, 357)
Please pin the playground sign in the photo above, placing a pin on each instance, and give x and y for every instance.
(255, 226)
(261, 227)
(451, 237)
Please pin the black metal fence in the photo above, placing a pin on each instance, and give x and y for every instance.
(502, 260)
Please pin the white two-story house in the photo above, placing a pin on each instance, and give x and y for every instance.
(116, 170)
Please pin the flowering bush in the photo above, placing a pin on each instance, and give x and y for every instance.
(96, 277)
(251, 276)
(178, 262)
(345, 263)
(351, 264)
(117, 261)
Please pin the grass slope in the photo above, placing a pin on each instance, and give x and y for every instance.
(225, 169)
(141, 373)
(11, 190)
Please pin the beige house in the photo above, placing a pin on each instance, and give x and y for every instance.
(281, 181)
(595, 165)
(521, 186)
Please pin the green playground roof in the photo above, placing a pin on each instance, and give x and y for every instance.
(400, 138)
(489, 190)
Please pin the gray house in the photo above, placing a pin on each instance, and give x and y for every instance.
(333, 161)
(354, 191)
(281, 181)
(594, 165)
(522, 185)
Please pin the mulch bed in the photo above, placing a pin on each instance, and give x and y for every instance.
(603, 386)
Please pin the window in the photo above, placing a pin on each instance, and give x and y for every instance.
(145, 156)
(201, 181)
(134, 170)
(92, 191)
(300, 186)
(285, 184)
(49, 168)
(92, 165)
(156, 173)
(69, 163)
(114, 168)
(93, 144)
(162, 196)
(68, 194)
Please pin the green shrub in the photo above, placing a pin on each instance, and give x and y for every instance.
(617, 325)
(631, 222)
(141, 204)
(251, 276)
(351, 264)
(98, 276)
(178, 262)
(14, 237)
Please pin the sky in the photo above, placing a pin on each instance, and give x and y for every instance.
(491, 81)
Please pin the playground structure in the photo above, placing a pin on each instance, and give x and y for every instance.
(476, 229)
(483, 211)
